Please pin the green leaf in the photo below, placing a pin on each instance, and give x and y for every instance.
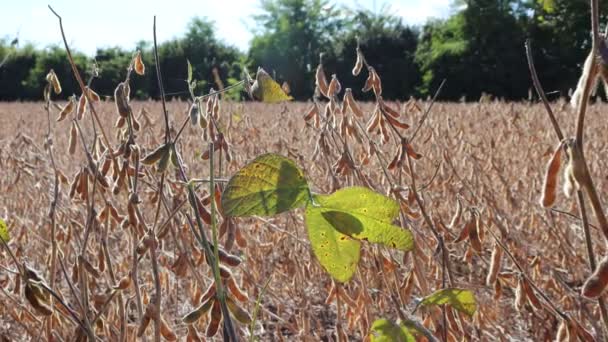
(460, 299)
(366, 215)
(189, 71)
(337, 253)
(336, 222)
(548, 5)
(269, 185)
(383, 330)
(4, 235)
(266, 89)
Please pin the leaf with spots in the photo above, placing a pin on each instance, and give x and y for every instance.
(4, 235)
(383, 330)
(338, 221)
(460, 299)
(337, 253)
(269, 185)
(366, 215)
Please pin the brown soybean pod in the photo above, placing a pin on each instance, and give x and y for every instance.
(321, 81)
(138, 64)
(73, 139)
(549, 194)
(358, 63)
(494, 265)
(595, 285)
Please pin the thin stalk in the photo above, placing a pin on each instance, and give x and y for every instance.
(159, 78)
(541, 92)
(590, 255)
(216, 260)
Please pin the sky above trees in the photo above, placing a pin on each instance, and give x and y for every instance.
(108, 23)
(478, 48)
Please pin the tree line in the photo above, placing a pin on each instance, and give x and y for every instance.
(479, 49)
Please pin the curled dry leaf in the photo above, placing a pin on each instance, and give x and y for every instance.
(464, 233)
(530, 294)
(239, 313)
(373, 82)
(67, 109)
(264, 89)
(156, 155)
(387, 109)
(369, 82)
(351, 103)
(334, 86)
(358, 63)
(38, 299)
(93, 96)
(138, 64)
(321, 81)
(52, 78)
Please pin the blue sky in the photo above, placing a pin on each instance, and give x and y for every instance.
(93, 24)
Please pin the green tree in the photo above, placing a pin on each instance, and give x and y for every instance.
(55, 58)
(16, 68)
(290, 36)
(113, 64)
(387, 44)
(204, 51)
(560, 32)
(478, 49)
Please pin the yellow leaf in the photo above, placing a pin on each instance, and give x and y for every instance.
(267, 90)
(4, 235)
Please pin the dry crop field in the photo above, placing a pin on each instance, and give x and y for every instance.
(480, 171)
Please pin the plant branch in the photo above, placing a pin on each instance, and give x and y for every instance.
(541, 92)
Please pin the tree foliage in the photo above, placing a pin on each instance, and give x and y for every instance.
(478, 48)
(388, 44)
(290, 37)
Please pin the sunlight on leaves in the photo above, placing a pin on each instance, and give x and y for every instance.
(267, 90)
(336, 252)
(338, 221)
(269, 185)
(189, 71)
(383, 330)
(548, 5)
(460, 299)
(366, 215)
(4, 235)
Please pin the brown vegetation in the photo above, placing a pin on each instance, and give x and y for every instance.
(489, 156)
